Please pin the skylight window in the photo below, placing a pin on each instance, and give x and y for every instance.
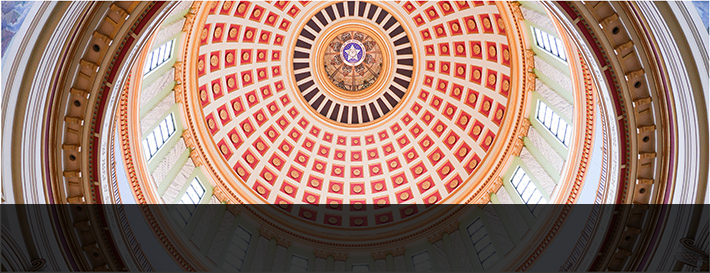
(159, 136)
(549, 43)
(188, 202)
(482, 243)
(554, 123)
(527, 190)
(299, 264)
(158, 57)
(421, 261)
(237, 251)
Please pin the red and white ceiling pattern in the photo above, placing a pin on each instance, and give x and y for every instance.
(428, 149)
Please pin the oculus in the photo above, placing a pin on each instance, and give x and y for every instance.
(353, 61)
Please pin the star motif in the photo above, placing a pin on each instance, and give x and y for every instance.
(352, 53)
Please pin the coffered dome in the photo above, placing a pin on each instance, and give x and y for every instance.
(354, 103)
(355, 135)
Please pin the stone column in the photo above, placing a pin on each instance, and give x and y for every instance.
(400, 264)
(321, 260)
(339, 258)
(464, 261)
(497, 231)
(279, 259)
(380, 260)
(262, 248)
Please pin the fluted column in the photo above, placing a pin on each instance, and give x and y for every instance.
(400, 264)
(380, 258)
(340, 257)
(279, 258)
(321, 260)
(262, 248)
(504, 244)
(216, 241)
(464, 261)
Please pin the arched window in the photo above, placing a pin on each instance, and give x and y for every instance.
(298, 264)
(188, 202)
(237, 251)
(526, 189)
(159, 136)
(421, 261)
(554, 123)
(157, 57)
(360, 268)
(549, 43)
(482, 243)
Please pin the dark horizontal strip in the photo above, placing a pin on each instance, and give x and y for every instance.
(396, 91)
(326, 107)
(321, 18)
(400, 41)
(373, 111)
(305, 85)
(318, 101)
(334, 114)
(297, 66)
(361, 8)
(351, 8)
(396, 32)
(300, 55)
(344, 115)
(404, 83)
(372, 11)
(383, 14)
(302, 44)
(311, 94)
(390, 23)
(300, 76)
(355, 115)
(408, 61)
(341, 8)
(404, 72)
(314, 26)
(404, 51)
(385, 109)
(363, 114)
(390, 99)
(331, 13)
(308, 34)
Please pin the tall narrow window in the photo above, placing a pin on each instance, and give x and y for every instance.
(554, 123)
(299, 264)
(527, 190)
(482, 243)
(237, 251)
(159, 136)
(158, 57)
(550, 43)
(360, 268)
(188, 203)
(421, 261)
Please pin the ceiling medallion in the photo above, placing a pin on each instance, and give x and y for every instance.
(353, 51)
(355, 69)
(358, 63)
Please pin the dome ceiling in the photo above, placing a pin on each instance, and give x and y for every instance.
(354, 102)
